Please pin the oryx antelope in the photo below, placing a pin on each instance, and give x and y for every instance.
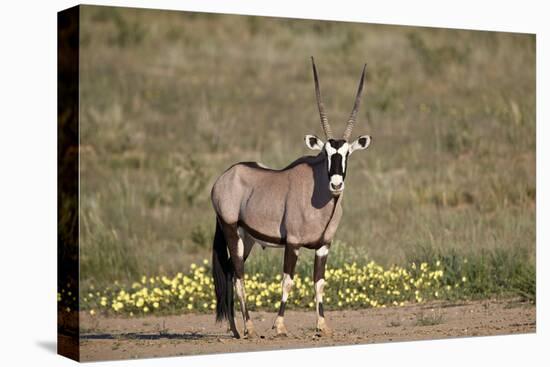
(298, 206)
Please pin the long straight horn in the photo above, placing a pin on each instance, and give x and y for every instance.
(353, 116)
(324, 119)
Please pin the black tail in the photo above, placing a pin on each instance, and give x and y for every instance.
(222, 271)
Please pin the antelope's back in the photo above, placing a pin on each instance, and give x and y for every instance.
(246, 187)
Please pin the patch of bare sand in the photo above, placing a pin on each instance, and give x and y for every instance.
(109, 338)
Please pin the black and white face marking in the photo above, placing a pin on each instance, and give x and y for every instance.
(337, 151)
(337, 156)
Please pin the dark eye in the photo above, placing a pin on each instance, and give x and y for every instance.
(363, 141)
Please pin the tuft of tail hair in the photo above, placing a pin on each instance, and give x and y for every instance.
(222, 272)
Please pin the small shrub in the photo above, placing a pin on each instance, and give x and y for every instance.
(429, 319)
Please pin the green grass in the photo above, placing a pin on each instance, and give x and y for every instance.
(169, 100)
(488, 273)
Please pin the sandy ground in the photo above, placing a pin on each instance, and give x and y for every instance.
(111, 338)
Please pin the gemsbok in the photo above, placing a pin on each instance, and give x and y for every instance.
(298, 206)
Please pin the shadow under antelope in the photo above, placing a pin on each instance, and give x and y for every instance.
(298, 206)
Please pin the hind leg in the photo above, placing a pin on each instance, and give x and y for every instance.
(291, 256)
(236, 247)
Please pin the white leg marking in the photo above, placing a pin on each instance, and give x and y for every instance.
(239, 285)
(287, 285)
(240, 289)
(296, 252)
(248, 325)
(321, 323)
(322, 251)
(240, 248)
(279, 325)
(319, 288)
(279, 321)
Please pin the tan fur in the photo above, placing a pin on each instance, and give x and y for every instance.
(292, 205)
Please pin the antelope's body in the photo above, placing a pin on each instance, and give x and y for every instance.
(292, 206)
(298, 206)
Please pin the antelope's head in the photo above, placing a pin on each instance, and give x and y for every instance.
(337, 150)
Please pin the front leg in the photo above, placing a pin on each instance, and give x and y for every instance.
(319, 281)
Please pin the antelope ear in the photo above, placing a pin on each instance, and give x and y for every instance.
(360, 143)
(313, 142)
